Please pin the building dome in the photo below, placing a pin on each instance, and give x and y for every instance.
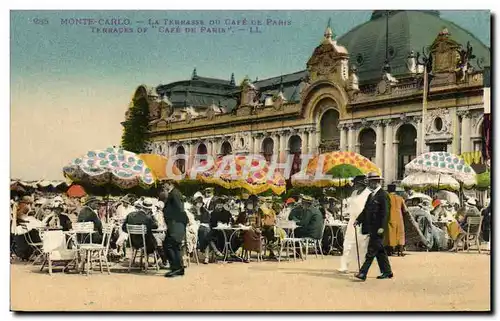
(408, 30)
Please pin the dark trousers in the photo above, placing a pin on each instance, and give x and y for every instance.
(172, 250)
(376, 250)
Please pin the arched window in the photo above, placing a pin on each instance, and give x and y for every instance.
(202, 149)
(268, 148)
(329, 132)
(226, 148)
(181, 163)
(407, 149)
(367, 140)
(295, 146)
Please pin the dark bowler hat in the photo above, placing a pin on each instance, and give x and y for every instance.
(360, 179)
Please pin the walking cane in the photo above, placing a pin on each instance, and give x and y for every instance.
(357, 247)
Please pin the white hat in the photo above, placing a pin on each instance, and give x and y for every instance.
(197, 195)
(144, 204)
(471, 201)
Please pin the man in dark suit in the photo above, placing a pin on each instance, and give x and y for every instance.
(176, 220)
(311, 220)
(89, 214)
(143, 216)
(373, 220)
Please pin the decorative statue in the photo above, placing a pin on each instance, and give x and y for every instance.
(411, 63)
(463, 65)
(353, 79)
(304, 85)
(154, 110)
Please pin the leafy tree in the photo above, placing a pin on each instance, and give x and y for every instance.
(136, 127)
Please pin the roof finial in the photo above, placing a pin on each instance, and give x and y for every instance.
(195, 75)
(328, 31)
(444, 32)
(232, 82)
(281, 84)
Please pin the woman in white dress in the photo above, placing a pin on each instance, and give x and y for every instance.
(355, 205)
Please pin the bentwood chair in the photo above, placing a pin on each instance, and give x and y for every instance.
(99, 252)
(142, 231)
(473, 232)
(83, 231)
(315, 242)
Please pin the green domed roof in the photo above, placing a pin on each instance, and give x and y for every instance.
(408, 30)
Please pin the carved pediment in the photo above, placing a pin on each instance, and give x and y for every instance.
(328, 58)
(444, 51)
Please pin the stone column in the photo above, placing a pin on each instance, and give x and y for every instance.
(256, 144)
(312, 141)
(303, 137)
(251, 144)
(395, 157)
(455, 131)
(351, 132)
(276, 143)
(283, 146)
(389, 165)
(216, 147)
(343, 138)
(418, 123)
(317, 137)
(465, 134)
(209, 146)
(379, 144)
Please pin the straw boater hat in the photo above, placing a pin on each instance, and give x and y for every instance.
(372, 176)
(145, 204)
(307, 198)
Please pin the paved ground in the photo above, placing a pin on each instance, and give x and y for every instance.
(423, 282)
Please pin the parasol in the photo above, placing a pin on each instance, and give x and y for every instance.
(76, 191)
(158, 165)
(342, 166)
(443, 163)
(423, 181)
(240, 171)
(448, 196)
(110, 166)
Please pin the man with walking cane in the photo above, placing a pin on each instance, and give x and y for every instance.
(373, 221)
(353, 237)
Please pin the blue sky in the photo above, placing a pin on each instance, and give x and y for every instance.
(70, 87)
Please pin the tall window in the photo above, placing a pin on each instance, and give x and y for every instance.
(367, 140)
(268, 148)
(407, 149)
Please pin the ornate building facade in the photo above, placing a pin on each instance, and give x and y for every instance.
(362, 92)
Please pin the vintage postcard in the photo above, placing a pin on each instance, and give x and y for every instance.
(166, 160)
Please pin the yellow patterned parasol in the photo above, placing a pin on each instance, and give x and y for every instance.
(342, 166)
(244, 172)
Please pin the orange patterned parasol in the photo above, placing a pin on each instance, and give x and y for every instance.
(158, 165)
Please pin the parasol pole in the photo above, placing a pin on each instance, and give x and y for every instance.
(424, 110)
